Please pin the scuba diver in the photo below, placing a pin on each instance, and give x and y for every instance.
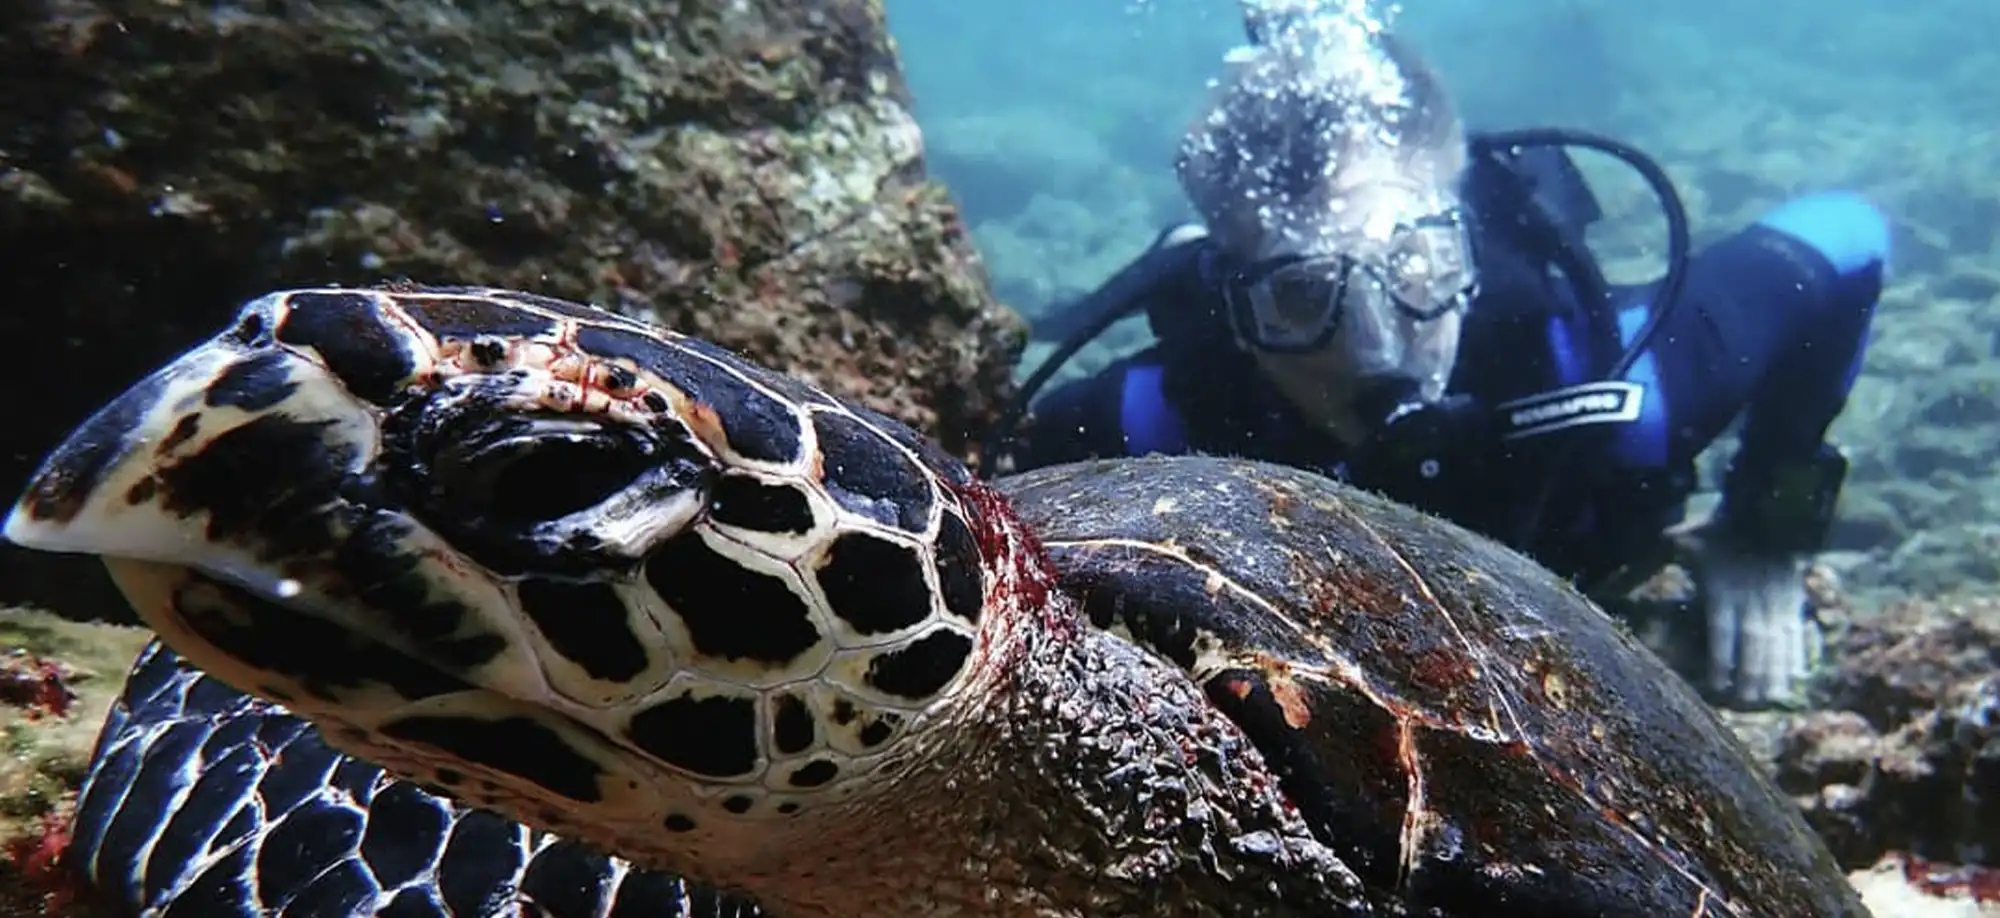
(1377, 294)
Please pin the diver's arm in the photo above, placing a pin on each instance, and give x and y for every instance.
(1779, 492)
(1810, 275)
(1782, 483)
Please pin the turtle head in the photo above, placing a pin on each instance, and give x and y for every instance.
(612, 581)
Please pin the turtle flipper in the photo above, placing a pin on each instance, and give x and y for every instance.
(202, 800)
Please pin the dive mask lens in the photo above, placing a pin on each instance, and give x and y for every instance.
(1428, 273)
(1288, 304)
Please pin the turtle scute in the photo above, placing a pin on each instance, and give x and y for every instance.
(626, 586)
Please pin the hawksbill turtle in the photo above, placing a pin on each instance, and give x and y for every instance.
(629, 589)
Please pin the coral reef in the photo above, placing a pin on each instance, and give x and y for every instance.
(1904, 755)
(1897, 765)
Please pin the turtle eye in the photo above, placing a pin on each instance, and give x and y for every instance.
(531, 469)
(535, 492)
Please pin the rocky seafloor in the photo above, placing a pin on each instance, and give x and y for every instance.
(756, 177)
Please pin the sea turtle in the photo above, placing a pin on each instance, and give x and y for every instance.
(625, 586)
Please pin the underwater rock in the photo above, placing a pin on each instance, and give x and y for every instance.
(1866, 519)
(748, 171)
(1943, 558)
(1902, 756)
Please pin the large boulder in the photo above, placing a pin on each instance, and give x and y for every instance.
(746, 170)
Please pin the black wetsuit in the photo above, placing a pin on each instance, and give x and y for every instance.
(1771, 326)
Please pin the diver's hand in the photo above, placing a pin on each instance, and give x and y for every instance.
(1762, 637)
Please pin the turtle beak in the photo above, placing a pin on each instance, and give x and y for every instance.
(194, 464)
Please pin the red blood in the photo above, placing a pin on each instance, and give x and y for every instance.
(1005, 540)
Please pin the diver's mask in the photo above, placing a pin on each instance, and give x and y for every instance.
(1370, 315)
(1294, 304)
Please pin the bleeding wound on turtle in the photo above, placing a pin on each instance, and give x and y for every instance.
(622, 584)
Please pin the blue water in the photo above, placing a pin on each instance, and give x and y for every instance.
(1053, 121)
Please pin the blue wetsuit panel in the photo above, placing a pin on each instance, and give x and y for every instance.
(1853, 236)
(1149, 422)
(1642, 442)
(1842, 226)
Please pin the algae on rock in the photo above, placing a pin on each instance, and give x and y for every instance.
(745, 170)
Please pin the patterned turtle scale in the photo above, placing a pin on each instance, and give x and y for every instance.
(204, 802)
(619, 584)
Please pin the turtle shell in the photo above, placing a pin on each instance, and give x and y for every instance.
(1460, 724)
